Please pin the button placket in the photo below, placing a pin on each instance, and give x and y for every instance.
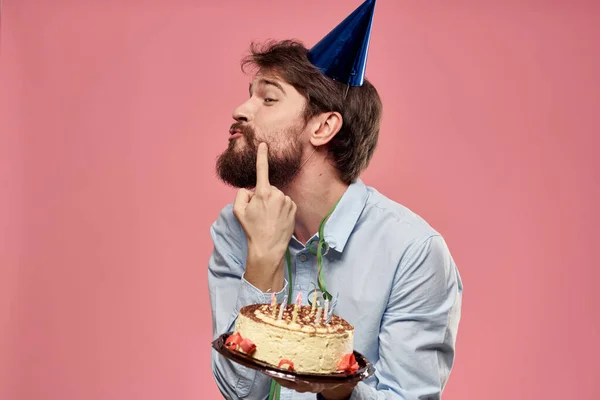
(302, 272)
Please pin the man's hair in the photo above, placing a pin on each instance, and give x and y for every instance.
(360, 106)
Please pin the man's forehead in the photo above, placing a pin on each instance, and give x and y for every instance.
(269, 79)
(268, 75)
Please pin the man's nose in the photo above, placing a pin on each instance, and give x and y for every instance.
(242, 113)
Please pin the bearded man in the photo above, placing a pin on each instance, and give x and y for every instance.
(297, 148)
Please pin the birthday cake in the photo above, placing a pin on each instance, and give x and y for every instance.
(295, 338)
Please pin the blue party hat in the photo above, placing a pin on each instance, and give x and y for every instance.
(342, 54)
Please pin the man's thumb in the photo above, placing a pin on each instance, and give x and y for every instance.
(242, 199)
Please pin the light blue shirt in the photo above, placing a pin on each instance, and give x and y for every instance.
(397, 282)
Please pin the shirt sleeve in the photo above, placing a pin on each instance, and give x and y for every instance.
(229, 292)
(418, 330)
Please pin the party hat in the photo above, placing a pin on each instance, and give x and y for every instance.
(342, 54)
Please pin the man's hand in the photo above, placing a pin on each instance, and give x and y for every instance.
(267, 217)
(330, 391)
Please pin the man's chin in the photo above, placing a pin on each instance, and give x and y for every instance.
(237, 144)
(238, 148)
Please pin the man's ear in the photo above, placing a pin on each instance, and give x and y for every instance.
(324, 127)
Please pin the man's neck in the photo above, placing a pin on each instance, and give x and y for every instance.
(315, 190)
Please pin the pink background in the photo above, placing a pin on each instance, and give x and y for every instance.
(113, 112)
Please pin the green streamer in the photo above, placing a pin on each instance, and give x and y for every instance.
(322, 243)
(288, 257)
(272, 390)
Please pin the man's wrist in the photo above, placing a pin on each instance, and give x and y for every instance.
(266, 284)
(265, 259)
(262, 275)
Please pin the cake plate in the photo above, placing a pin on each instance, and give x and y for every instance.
(365, 368)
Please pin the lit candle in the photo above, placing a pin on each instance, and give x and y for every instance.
(318, 317)
(326, 311)
(283, 305)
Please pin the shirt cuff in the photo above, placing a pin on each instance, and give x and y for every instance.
(363, 392)
(249, 294)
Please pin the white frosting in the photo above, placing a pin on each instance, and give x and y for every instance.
(316, 349)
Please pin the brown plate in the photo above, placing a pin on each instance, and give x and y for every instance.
(365, 368)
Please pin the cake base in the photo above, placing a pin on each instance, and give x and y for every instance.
(365, 367)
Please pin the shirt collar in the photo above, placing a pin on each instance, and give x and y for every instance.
(342, 221)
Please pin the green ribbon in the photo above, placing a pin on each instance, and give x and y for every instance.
(275, 389)
(321, 244)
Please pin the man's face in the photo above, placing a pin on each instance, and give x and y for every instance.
(273, 114)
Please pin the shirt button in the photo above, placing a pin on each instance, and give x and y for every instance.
(302, 257)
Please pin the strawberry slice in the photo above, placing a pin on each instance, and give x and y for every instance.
(348, 363)
(286, 364)
(247, 346)
(233, 341)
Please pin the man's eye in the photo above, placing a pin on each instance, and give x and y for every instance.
(268, 100)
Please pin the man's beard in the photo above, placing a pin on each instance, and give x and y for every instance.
(237, 167)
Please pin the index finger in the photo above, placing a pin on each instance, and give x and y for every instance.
(262, 167)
